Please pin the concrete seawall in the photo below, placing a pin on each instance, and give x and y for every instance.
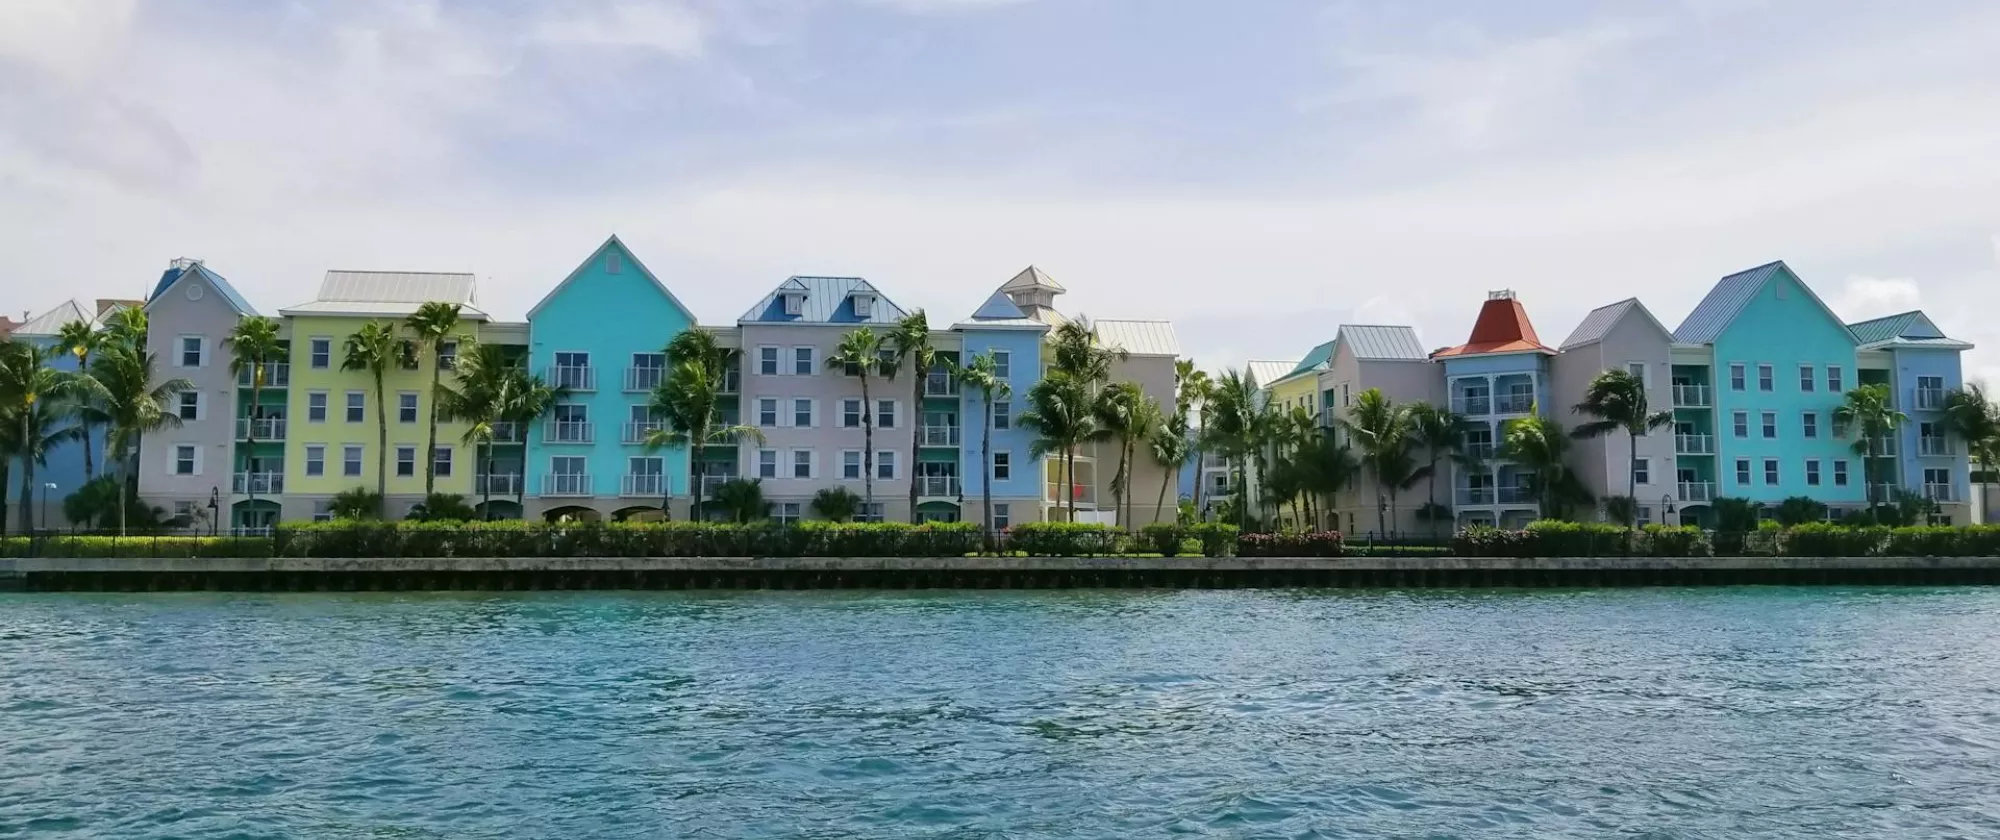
(491, 573)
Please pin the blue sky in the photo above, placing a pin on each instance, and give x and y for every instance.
(1257, 172)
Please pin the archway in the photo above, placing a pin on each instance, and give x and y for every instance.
(573, 513)
(254, 517)
(937, 512)
(637, 513)
(499, 509)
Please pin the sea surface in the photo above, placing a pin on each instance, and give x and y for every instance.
(1639, 713)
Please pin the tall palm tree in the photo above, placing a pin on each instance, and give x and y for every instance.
(689, 400)
(253, 346)
(1191, 388)
(26, 382)
(1617, 399)
(524, 400)
(82, 338)
(911, 342)
(1540, 444)
(435, 324)
(1059, 412)
(478, 399)
(1330, 467)
(1075, 350)
(1170, 447)
(45, 428)
(1381, 431)
(1971, 417)
(978, 373)
(127, 328)
(1229, 428)
(375, 349)
(860, 353)
(1869, 411)
(125, 379)
(1441, 434)
(1121, 415)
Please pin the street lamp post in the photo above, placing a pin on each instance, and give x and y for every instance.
(45, 503)
(214, 510)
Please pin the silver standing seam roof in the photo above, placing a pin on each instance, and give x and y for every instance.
(51, 322)
(370, 293)
(827, 301)
(1598, 323)
(1139, 338)
(1381, 343)
(1731, 294)
(1263, 372)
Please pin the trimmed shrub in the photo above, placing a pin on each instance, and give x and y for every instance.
(1165, 539)
(1677, 541)
(1815, 539)
(1311, 544)
(1064, 539)
(134, 546)
(1488, 541)
(1218, 539)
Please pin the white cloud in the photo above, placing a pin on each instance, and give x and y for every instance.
(1861, 298)
(945, 6)
(665, 27)
(70, 37)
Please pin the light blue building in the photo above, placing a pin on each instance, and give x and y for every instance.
(1501, 374)
(1921, 366)
(600, 335)
(64, 466)
(1003, 328)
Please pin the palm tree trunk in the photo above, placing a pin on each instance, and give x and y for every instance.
(867, 447)
(27, 473)
(382, 446)
(486, 487)
(89, 463)
(698, 449)
(1120, 483)
(1430, 504)
(1199, 474)
(431, 442)
(250, 437)
(1160, 504)
(6, 463)
(1632, 483)
(916, 432)
(986, 467)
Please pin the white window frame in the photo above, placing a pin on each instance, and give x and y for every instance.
(863, 304)
(1739, 376)
(1809, 424)
(1002, 516)
(777, 360)
(406, 455)
(325, 405)
(1003, 415)
(810, 362)
(895, 413)
(357, 402)
(313, 352)
(360, 460)
(1739, 423)
(1002, 461)
(1773, 472)
(1642, 471)
(777, 412)
(795, 303)
(315, 457)
(858, 407)
(761, 466)
(1746, 472)
(1834, 380)
(1767, 377)
(886, 464)
(1840, 472)
(852, 458)
(1767, 425)
(812, 412)
(1812, 472)
(1642, 370)
(183, 404)
(788, 513)
(193, 459)
(441, 461)
(1003, 365)
(1808, 378)
(200, 351)
(811, 464)
(416, 407)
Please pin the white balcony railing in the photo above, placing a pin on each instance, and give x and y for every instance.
(267, 428)
(938, 436)
(567, 485)
(939, 384)
(278, 375)
(259, 482)
(1938, 492)
(639, 379)
(497, 484)
(568, 431)
(1697, 491)
(1694, 444)
(1692, 396)
(1935, 447)
(1475, 495)
(642, 484)
(1885, 447)
(1084, 494)
(637, 432)
(1930, 399)
(1514, 404)
(712, 483)
(1472, 406)
(510, 432)
(1882, 493)
(1516, 496)
(1479, 451)
(732, 381)
(937, 486)
(573, 377)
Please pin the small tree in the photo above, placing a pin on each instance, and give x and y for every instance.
(1799, 510)
(1617, 399)
(836, 504)
(743, 498)
(443, 507)
(356, 503)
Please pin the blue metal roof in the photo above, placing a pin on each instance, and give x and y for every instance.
(1315, 358)
(1911, 324)
(1373, 341)
(1729, 296)
(828, 300)
(999, 307)
(214, 281)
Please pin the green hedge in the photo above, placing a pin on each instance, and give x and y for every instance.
(64, 545)
(623, 539)
(1552, 538)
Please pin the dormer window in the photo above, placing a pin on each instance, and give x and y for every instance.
(794, 304)
(861, 305)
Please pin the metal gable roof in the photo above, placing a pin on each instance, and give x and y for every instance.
(215, 281)
(1379, 342)
(51, 322)
(1032, 278)
(1263, 372)
(1598, 323)
(1139, 338)
(1716, 311)
(390, 293)
(630, 258)
(828, 300)
(1913, 324)
(1315, 358)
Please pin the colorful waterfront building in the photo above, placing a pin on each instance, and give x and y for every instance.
(191, 469)
(65, 467)
(1390, 359)
(1003, 329)
(1666, 469)
(599, 337)
(1921, 366)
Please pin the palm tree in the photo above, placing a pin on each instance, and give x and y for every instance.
(81, 338)
(483, 378)
(253, 346)
(1122, 414)
(124, 380)
(45, 428)
(1330, 467)
(435, 324)
(1229, 428)
(1382, 431)
(524, 399)
(860, 354)
(1539, 443)
(26, 382)
(1440, 433)
(911, 341)
(375, 349)
(1076, 351)
(689, 400)
(1969, 415)
(1170, 447)
(126, 328)
(978, 373)
(1870, 412)
(1618, 400)
(1059, 412)
(1191, 387)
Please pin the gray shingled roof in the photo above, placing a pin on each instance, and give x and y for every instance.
(1379, 342)
(1598, 323)
(828, 301)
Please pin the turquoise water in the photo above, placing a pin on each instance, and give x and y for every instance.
(1719, 713)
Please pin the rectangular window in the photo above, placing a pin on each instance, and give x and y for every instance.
(315, 460)
(767, 361)
(850, 414)
(802, 413)
(441, 461)
(1811, 424)
(1833, 382)
(350, 460)
(1638, 370)
(789, 513)
(1812, 472)
(1003, 466)
(1771, 472)
(320, 351)
(447, 355)
(850, 465)
(1736, 376)
(1003, 415)
(1839, 473)
(316, 407)
(191, 351)
(1740, 423)
(767, 463)
(1930, 383)
(767, 412)
(802, 463)
(1806, 379)
(190, 405)
(1003, 365)
(885, 414)
(885, 466)
(406, 407)
(406, 461)
(614, 263)
(567, 465)
(1001, 517)
(794, 304)
(184, 458)
(869, 513)
(802, 361)
(1766, 378)
(1642, 471)
(1770, 425)
(1743, 471)
(648, 371)
(357, 407)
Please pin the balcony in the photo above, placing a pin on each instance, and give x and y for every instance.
(1938, 493)
(1516, 496)
(642, 379)
(938, 486)
(566, 485)
(1694, 444)
(278, 375)
(1514, 404)
(1474, 495)
(637, 432)
(643, 484)
(1883, 493)
(1935, 447)
(1693, 396)
(573, 377)
(1930, 399)
(1479, 451)
(258, 482)
(266, 428)
(712, 483)
(732, 381)
(1472, 406)
(568, 431)
(938, 436)
(497, 484)
(940, 384)
(1886, 447)
(1697, 491)
(1084, 494)
(510, 432)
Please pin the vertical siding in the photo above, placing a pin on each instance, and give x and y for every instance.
(1783, 327)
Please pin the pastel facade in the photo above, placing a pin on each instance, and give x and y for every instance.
(1002, 329)
(193, 467)
(1390, 359)
(1626, 336)
(64, 465)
